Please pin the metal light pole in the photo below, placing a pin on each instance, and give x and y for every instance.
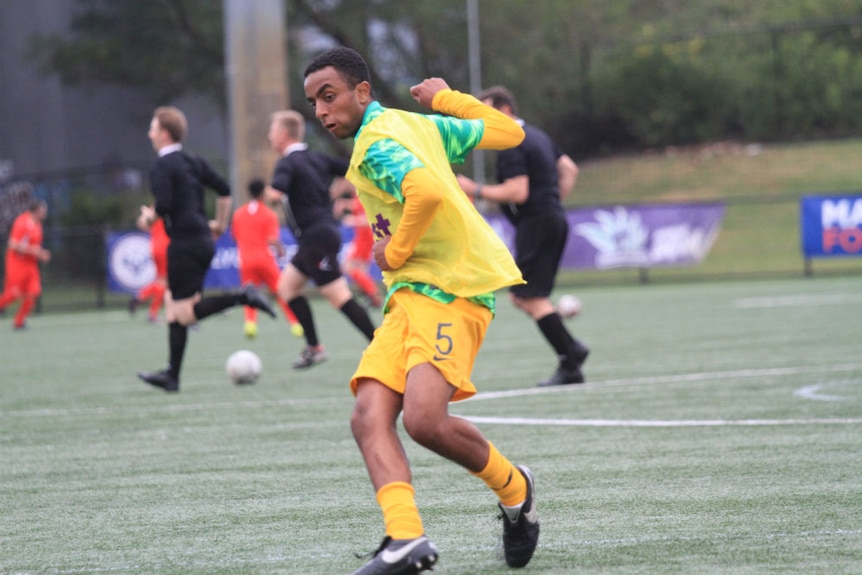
(475, 59)
(256, 72)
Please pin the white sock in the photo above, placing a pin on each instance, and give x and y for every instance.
(512, 512)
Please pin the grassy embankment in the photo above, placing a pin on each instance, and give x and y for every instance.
(761, 186)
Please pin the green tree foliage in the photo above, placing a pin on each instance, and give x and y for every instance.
(167, 47)
(402, 41)
(600, 76)
(665, 99)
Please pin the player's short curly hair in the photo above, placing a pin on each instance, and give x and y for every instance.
(500, 96)
(349, 64)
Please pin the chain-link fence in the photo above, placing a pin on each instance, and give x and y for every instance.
(82, 205)
(758, 238)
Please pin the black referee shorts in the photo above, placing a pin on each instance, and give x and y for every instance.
(188, 262)
(539, 243)
(317, 254)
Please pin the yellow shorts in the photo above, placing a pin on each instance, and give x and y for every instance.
(418, 329)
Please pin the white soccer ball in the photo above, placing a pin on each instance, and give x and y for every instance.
(568, 305)
(243, 366)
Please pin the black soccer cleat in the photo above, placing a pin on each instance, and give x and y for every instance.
(401, 557)
(569, 375)
(161, 379)
(563, 376)
(521, 534)
(250, 295)
(581, 353)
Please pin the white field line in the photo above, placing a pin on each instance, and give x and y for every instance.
(661, 423)
(265, 403)
(813, 392)
(798, 300)
(808, 392)
(680, 378)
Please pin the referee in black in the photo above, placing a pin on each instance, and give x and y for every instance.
(177, 181)
(302, 178)
(534, 177)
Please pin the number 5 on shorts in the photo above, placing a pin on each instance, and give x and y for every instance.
(444, 341)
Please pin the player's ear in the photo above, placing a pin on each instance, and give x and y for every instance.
(363, 92)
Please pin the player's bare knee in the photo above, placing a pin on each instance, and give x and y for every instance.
(357, 422)
(183, 312)
(285, 293)
(518, 302)
(363, 420)
(422, 429)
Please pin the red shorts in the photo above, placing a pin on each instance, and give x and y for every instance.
(260, 272)
(161, 262)
(23, 280)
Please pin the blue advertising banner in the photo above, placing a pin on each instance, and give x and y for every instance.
(831, 226)
(130, 266)
(634, 236)
(599, 238)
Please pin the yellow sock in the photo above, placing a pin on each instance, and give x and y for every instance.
(400, 513)
(501, 476)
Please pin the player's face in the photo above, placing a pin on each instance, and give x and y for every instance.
(339, 107)
(155, 134)
(277, 136)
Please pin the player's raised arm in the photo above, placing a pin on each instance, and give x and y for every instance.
(501, 131)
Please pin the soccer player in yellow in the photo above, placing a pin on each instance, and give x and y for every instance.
(441, 264)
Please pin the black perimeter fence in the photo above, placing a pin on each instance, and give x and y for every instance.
(759, 239)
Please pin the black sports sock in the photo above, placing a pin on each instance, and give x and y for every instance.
(214, 304)
(359, 317)
(560, 339)
(177, 336)
(300, 308)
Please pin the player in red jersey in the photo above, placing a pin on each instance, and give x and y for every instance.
(255, 228)
(23, 255)
(358, 258)
(159, 241)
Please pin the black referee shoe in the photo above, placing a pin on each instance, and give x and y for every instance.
(569, 375)
(161, 379)
(563, 376)
(251, 296)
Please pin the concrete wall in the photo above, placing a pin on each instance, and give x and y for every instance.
(49, 127)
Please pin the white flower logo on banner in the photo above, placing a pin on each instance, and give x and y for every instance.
(620, 238)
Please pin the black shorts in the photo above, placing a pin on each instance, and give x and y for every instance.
(188, 262)
(317, 255)
(539, 244)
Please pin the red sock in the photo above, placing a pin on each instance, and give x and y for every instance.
(158, 298)
(24, 310)
(365, 282)
(145, 293)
